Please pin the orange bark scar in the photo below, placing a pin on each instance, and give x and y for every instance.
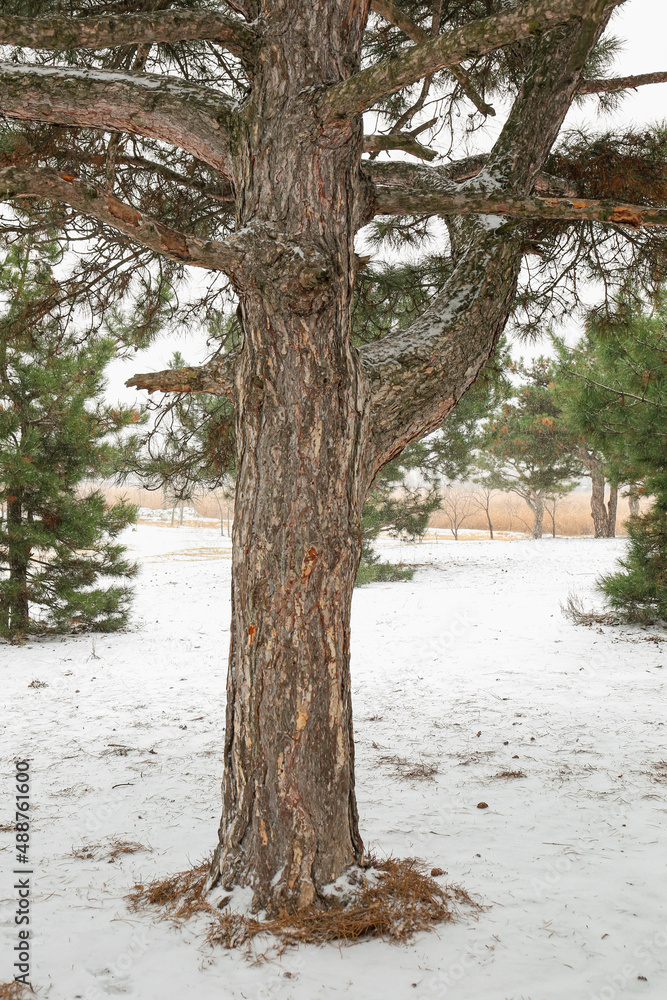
(627, 217)
(301, 720)
(308, 562)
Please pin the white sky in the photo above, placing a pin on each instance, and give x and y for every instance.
(642, 24)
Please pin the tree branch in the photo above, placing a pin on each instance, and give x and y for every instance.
(64, 33)
(474, 39)
(398, 173)
(176, 112)
(406, 201)
(223, 193)
(398, 140)
(602, 86)
(418, 375)
(390, 12)
(217, 378)
(396, 17)
(617, 392)
(26, 182)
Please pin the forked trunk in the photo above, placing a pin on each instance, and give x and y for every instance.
(289, 823)
(306, 447)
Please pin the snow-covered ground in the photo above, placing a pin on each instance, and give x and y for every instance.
(470, 667)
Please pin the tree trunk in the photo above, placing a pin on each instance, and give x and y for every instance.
(598, 508)
(537, 506)
(612, 509)
(634, 505)
(18, 617)
(488, 518)
(289, 823)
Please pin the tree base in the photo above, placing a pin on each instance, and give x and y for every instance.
(392, 899)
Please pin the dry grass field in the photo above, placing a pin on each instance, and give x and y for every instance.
(509, 513)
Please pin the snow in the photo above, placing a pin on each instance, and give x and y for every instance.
(470, 667)
(166, 84)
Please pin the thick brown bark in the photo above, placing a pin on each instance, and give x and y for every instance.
(289, 823)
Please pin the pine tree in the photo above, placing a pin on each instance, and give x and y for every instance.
(233, 140)
(527, 448)
(622, 396)
(600, 456)
(394, 504)
(58, 539)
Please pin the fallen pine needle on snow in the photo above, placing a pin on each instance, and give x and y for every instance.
(393, 900)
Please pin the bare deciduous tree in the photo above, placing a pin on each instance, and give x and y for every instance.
(481, 498)
(457, 505)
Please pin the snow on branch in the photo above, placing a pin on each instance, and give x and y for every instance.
(64, 33)
(471, 40)
(28, 182)
(406, 201)
(182, 114)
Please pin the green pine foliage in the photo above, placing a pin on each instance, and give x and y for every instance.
(527, 446)
(619, 378)
(191, 444)
(61, 568)
(639, 590)
(391, 297)
(453, 452)
(394, 505)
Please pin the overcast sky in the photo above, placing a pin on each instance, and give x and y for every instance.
(642, 24)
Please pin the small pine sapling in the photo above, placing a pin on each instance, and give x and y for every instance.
(58, 540)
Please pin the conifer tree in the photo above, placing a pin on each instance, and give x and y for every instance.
(58, 538)
(230, 136)
(395, 505)
(599, 455)
(526, 446)
(619, 389)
